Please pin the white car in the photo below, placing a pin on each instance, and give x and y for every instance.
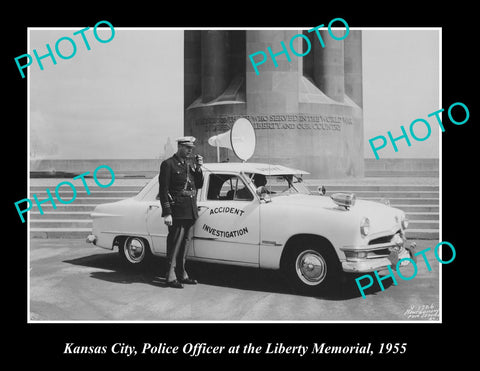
(311, 236)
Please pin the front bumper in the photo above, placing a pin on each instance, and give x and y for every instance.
(378, 257)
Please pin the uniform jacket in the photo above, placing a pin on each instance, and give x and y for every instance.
(177, 194)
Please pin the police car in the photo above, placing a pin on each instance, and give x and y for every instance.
(263, 216)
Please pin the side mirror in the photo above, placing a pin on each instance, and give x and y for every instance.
(263, 194)
(322, 190)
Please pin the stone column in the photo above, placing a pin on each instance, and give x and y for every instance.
(271, 95)
(192, 78)
(214, 64)
(353, 66)
(328, 70)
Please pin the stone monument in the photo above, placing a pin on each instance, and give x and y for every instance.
(307, 112)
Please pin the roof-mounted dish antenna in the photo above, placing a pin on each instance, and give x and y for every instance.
(240, 139)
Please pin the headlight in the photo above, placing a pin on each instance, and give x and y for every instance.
(404, 222)
(364, 227)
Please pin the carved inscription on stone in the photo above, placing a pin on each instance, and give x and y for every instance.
(278, 121)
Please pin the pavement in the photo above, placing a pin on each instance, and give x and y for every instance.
(70, 280)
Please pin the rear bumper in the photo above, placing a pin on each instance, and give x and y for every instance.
(91, 238)
(379, 257)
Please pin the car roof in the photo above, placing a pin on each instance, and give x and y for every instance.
(252, 167)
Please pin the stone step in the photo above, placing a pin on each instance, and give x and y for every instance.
(68, 175)
(423, 234)
(81, 190)
(82, 200)
(402, 173)
(422, 216)
(390, 194)
(65, 208)
(423, 224)
(402, 164)
(372, 188)
(346, 185)
(404, 200)
(67, 195)
(418, 208)
(56, 215)
(60, 232)
(61, 223)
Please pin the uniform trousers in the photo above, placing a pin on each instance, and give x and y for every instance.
(179, 240)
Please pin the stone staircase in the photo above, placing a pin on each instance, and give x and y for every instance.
(419, 198)
(73, 220)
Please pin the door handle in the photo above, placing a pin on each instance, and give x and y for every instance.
(201, 207)
(150, 207)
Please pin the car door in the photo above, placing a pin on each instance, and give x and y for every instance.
(228, 225)
(157, 230)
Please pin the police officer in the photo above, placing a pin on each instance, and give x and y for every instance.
(178, 181)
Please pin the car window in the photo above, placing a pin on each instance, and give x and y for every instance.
(228, 187)
(284, 185)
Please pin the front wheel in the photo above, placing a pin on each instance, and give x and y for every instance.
(311, 269)
(134, 251)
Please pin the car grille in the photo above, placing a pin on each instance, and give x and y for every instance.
(380, 247)
(384, 239)
(383, 251)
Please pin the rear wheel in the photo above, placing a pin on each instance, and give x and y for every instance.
(134, 251)
(312, 269)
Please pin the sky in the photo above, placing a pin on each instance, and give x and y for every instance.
(400, 84)
(121, 99)
(124, 98)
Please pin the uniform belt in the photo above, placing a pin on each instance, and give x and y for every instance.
(186, 193)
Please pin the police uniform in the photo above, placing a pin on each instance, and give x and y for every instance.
(178, 184)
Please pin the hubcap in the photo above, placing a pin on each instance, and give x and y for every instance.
(311, 267)
(134, 250)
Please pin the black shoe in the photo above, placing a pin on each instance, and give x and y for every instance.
(175, 284)
(189, 281)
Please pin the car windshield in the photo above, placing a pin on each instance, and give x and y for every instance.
(277, 185)
(149, 191)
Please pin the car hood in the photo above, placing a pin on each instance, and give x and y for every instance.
(383, 218)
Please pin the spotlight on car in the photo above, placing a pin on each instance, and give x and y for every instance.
(345, 200)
